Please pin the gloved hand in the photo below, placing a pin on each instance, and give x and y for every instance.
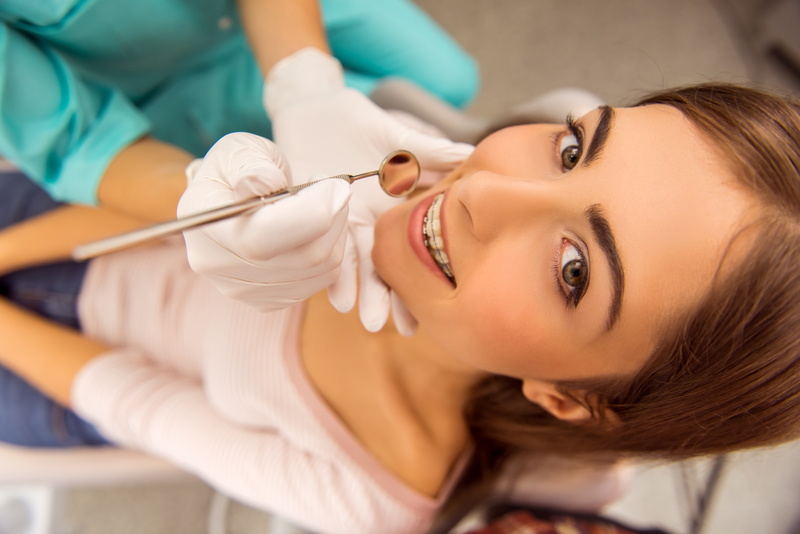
(282, 253)
(325, 128)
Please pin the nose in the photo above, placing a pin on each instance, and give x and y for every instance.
(497, 203)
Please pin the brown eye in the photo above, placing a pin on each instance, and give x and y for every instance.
(570, 156)
(574, 273)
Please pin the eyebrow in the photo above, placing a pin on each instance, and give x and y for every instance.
(605, 238)
(600, 135)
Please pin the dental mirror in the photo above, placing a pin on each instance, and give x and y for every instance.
(398, 175)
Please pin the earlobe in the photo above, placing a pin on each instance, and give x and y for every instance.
(562, 406)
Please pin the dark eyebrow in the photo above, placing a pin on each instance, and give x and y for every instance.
(600, 135)
(605, 238)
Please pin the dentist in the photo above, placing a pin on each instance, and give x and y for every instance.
(107, 105)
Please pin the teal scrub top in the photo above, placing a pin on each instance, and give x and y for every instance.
(82, 79)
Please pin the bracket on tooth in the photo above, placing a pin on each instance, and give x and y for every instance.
(434, 243)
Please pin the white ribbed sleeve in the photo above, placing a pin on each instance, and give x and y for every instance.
(147, 407)
(217, 388)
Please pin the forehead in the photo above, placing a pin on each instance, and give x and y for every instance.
(674, 206)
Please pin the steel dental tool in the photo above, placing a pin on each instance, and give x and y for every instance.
(398, 175)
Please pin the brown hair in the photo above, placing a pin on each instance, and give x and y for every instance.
(727, 375)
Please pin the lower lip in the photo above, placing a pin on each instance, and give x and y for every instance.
(415, 236)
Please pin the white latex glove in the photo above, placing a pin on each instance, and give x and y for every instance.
(282, 253)
(325, 128)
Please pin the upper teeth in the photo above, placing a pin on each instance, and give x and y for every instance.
(432, 236)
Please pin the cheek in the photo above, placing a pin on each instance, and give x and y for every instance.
(500, 317)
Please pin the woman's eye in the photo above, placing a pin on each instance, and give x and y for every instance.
(570, 151)
(574, 272)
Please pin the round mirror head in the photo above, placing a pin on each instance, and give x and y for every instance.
(399, 173)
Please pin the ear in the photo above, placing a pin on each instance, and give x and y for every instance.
(562, 406)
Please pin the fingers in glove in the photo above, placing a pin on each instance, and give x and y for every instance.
(251, 165)
(436, 153)
(319, 256)
(428, 178)
(204, 193)
(191, 169)
(374, 302)
(290, 275)
(369, 202)
(305, 74)
(276, 295)
(405, 323)
(342, 293)
(287, 224)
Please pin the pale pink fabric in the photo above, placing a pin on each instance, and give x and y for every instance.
(217, 388)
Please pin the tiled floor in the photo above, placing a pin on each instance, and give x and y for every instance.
(619, 49)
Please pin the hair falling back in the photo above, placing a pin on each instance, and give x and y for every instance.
(725, 376)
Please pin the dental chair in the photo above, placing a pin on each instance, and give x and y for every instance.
(83, 466)
(30, 479)
(549, 108)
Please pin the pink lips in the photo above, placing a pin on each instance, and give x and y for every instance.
(415, 234)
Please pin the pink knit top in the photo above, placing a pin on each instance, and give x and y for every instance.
(219, 389)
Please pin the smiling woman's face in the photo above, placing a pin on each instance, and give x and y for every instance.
(568, 247)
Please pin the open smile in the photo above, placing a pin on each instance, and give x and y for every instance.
(432, 236)
(427, 238)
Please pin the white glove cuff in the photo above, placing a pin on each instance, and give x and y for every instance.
(306, 73)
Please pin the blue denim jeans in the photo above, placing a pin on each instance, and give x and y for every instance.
(27, 417)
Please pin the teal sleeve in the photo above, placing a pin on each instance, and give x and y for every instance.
(59, 129)
(375, 39)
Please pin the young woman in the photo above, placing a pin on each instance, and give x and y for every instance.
(620, 286)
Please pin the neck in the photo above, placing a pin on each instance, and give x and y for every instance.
(417, 366)
(402, 397)
(426, 371)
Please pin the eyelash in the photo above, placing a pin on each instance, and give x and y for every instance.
(573, 128)
(574, 296)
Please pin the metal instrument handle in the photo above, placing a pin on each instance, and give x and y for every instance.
(156, 231)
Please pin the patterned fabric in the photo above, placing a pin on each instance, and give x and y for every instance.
(525, 522)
